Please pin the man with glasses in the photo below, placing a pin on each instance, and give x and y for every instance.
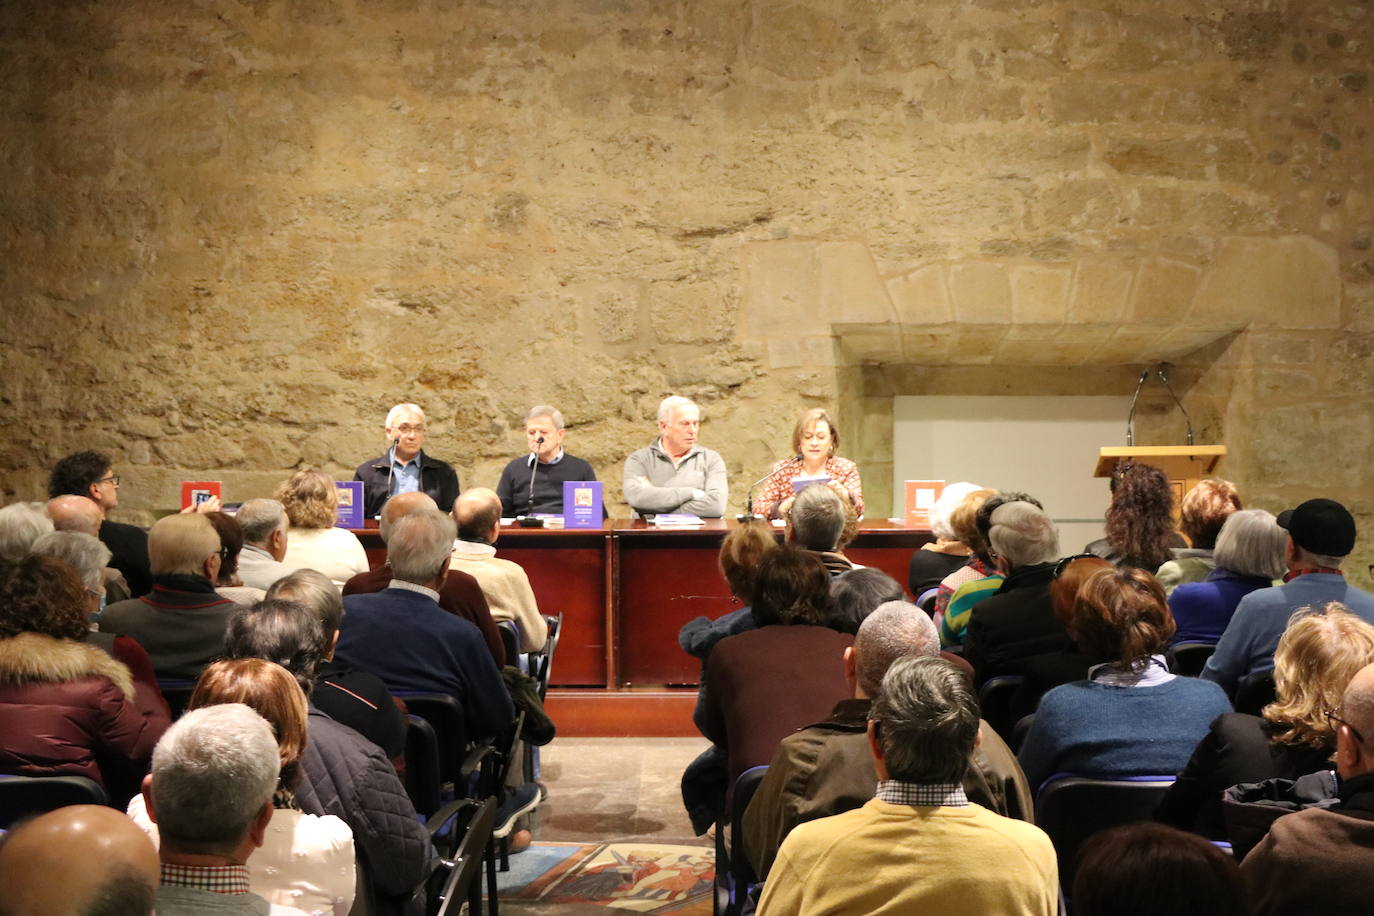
(91, 474)
(1321, 860)
(405, 468)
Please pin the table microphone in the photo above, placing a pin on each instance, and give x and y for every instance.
(390, 462)
(748, 514)
(527, 520)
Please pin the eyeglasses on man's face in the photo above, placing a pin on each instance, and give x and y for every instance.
(1334, 719)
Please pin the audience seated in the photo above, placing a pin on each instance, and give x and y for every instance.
(66, 707)
(91, 475)
(461, 594)
(305, 861)
(1321, 534)
(80, 515)
(918, 846)
(266, 531)
(963, 526)
(181, 623)
(740, 554)
(981, 578)
(354, 698)
(210, 795)
(86, 859)
(1018, 621)
(402, 635)
(856, 594)
(20, 525)
(815, 523)
(1140, 523)
(227, 583)
(1150, 869)
(1201, 514)
(478, 515)
(1321, 860)
(345, 774)
(826, 768)
(935, 560)
(1131, 717)
(1318, 655)
(311, 501)
(1041, 673)
(1248, 556)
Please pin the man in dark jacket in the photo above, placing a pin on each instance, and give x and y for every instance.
(405, 468)
(91, 474)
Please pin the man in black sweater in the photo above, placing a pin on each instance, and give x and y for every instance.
(547, 464)
(91, 474)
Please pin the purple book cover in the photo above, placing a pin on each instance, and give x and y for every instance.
(350, 511)
(581, 504)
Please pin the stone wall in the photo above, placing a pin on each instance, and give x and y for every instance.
(234, 232)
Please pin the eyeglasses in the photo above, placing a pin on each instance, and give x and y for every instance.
(113, 478)
(1064, 563)
(406, 429)
(1333, 720)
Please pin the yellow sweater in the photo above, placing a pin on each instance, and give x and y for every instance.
(885, 858)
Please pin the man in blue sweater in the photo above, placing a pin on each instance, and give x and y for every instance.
(1321, 534)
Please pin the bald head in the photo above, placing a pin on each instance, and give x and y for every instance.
(75, 513)
(1354, 757)
(181, 544)
(478, 513)
(893, 630)
(401, 505)
(78, 859)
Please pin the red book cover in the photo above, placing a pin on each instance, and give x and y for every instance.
(195, 492)
(920, 498)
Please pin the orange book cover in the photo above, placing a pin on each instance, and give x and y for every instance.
(195, 492)
(920, 498)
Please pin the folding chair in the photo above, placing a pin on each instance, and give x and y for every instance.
(994, 699)
(1188, 658)
(464, 863)
(1072, 808)
(734, 874)
(510, 641)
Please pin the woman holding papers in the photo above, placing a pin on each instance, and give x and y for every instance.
(814, 441)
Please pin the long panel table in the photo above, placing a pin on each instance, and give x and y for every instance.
(625, 590)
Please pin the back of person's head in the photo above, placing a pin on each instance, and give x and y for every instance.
(1318, 654)
(401, 505)
(941, 514)
(477, 510)
(1139, 520)
(740, 554)
(1205, 508)
(982, 518)
(180, 545)
(895, 629)
(269, 690)
(1121, 615)
(258, 518)
(20, 525)
(817, 518)
(792, 587)
(856, 593)
(1357, 711)
(74, 474)
(1023, 534)
(82, 552)
(420, 545)
(1148, 869)
(213, 772)
(317, 593)
(1069, 577)
(926, 720)
(1322, 531)
(310, 499)
(42, 594)
(283, 632)
(1251, 543)
(963, 522)
(230, 544)
(75, 513)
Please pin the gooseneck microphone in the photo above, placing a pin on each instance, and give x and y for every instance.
(748, 514)
(1165, 379)
(1130, 418)
(528, 520)
(390, 463)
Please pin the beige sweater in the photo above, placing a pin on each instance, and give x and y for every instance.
(506, 588)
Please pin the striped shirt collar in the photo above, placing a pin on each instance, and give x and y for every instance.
(219, 879)
(1113, 675)
(412, 587)
(922, 795)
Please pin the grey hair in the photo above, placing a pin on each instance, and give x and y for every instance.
(1023, 534)
(403, 408)
(950, 498)
(419, 545)
(817, 517)
(418, 499)
(213, 771)
(316, 592)
(82, 552)
(544, 410)
(259, 518)
(20, 525)
(1309, 559)
(893, 630)
(927, 718)
(1251, 543)
(671, 403)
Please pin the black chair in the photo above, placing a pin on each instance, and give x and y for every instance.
(734, 874)
(462, 834)
(510, 641)
(994, 699)
(1072, 808)
(22, 796)
(177, 692)
(1255, 692)
(423, 775)
(1188, 658)
(459, 759)
(1019, 732)
(541, 663)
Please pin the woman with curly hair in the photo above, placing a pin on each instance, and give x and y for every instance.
(1201, 514)
(312, 542)
(1317, 656)
(1140, 524)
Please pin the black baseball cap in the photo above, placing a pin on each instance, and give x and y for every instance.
(1320, 526)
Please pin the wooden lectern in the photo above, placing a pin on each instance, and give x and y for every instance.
(1184, 465)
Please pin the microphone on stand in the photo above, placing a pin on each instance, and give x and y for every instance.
(1130, 418)
(748, 514)
(390, 462)
(527, 520)
(1165, 379)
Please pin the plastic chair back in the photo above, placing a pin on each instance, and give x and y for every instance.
(734, 874)
(510, 641)
(22, 796)
(994, 699)
(423, 777)
(541, 664)
(445, 716)
(1073, 808)
(466, 863)
(1255, 692)
(1188, 658)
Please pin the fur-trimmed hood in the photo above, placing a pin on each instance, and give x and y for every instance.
(36, 658)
